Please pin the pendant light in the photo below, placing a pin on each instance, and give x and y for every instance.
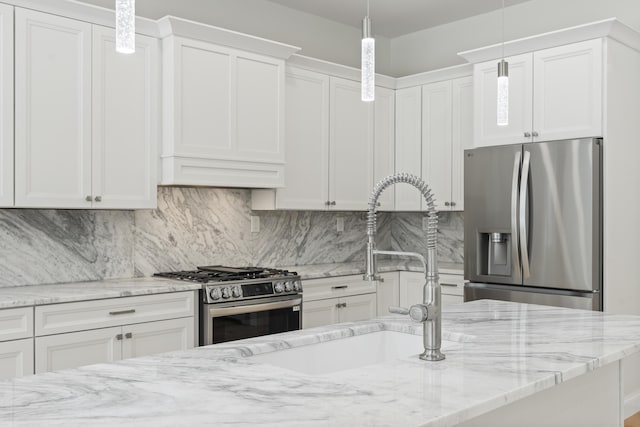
(126, 26)
(368, 66)
(503, 84)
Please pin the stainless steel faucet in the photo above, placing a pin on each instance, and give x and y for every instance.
(428, 313)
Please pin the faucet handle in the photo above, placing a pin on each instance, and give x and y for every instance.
(399, 310)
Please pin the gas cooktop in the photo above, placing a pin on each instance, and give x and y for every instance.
(219, 273)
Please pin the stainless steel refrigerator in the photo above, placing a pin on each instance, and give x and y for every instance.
(533, 223)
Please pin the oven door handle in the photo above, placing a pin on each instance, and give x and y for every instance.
(253, 308)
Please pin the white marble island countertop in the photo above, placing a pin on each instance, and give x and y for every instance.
(497, 353)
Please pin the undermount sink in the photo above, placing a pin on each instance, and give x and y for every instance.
(346, 353)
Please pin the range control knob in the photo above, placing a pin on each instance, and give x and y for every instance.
(236, 292)
(278, 288)
(288, 287)
(215, 294)
(226, 293)
(297, 286)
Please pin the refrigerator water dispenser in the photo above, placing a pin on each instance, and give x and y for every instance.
(494, 254)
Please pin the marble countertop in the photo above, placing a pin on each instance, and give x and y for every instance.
(318, 271)
(497, 353)
(24, 296)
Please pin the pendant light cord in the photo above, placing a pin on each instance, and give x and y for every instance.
(368, 8)
(502, 28)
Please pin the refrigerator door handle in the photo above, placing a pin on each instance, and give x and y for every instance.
(514, 208)
(524, 241)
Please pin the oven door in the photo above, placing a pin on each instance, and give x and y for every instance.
(236, 321)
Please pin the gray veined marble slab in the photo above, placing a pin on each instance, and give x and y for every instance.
(497, 353)
(24, 296)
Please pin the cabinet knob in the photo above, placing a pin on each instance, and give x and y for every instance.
(119, 337)
(327, 203)
(88, 198)
(453, 203)
(128, 335)
(535, 134)
(447, 204)
(333, 203)
(98, 198)
(527, 134)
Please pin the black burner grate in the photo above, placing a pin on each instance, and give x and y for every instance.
(222, 274)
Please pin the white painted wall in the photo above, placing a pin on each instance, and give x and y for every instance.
(437, 47)
(318, 37)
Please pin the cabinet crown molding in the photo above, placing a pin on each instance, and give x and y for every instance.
(172, 26)
(611, 28)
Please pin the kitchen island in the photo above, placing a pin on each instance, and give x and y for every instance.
(505, 360)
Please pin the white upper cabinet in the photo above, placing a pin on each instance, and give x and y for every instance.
(408, 145)
(461, 136)
(350, 146)
(384, 144)
(86, 116)
(554, 93)
(436, 142)
(567, 95)
(485, 79)
(6, 106)
(307, 141)
(125, 125)
(223, 107)
(52, 111)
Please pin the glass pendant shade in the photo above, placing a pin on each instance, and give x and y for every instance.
(368, 65)
(126, 26)
(503, 93)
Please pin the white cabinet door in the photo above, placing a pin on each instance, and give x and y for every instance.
(411, 288)
(436, 142)
(258, 125)
(358, 308)
(52, 111)
(320, 313)
(485, 78)
(16, 358)
(125, 122)
(461, 136)
(350, 146)
(387, 293)
(6, 105)
(384, 149)
(75, 349)
(307, 141)
(197, 113)
(567, 100)
(157, 337)
(408, 145)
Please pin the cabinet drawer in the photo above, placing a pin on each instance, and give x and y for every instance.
(78, 316)
(334, 287)
(16, 323)
(452, 284)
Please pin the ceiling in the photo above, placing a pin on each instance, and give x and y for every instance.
(393, 18)
(390, 18)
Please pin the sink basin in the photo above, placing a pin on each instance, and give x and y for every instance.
(346, 353)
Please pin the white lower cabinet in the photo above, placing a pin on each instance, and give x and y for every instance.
(105, 345)
(388, 293)
(100, 331)
(412, 283)
(16, 358)
(339, 299)
(75, 349)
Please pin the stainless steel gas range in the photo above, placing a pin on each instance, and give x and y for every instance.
(238, 303)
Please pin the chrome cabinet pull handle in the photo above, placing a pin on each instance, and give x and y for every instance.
(340, 287)
(451, 285)
(116, 313)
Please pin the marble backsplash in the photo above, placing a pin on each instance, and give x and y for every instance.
(194, 226)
